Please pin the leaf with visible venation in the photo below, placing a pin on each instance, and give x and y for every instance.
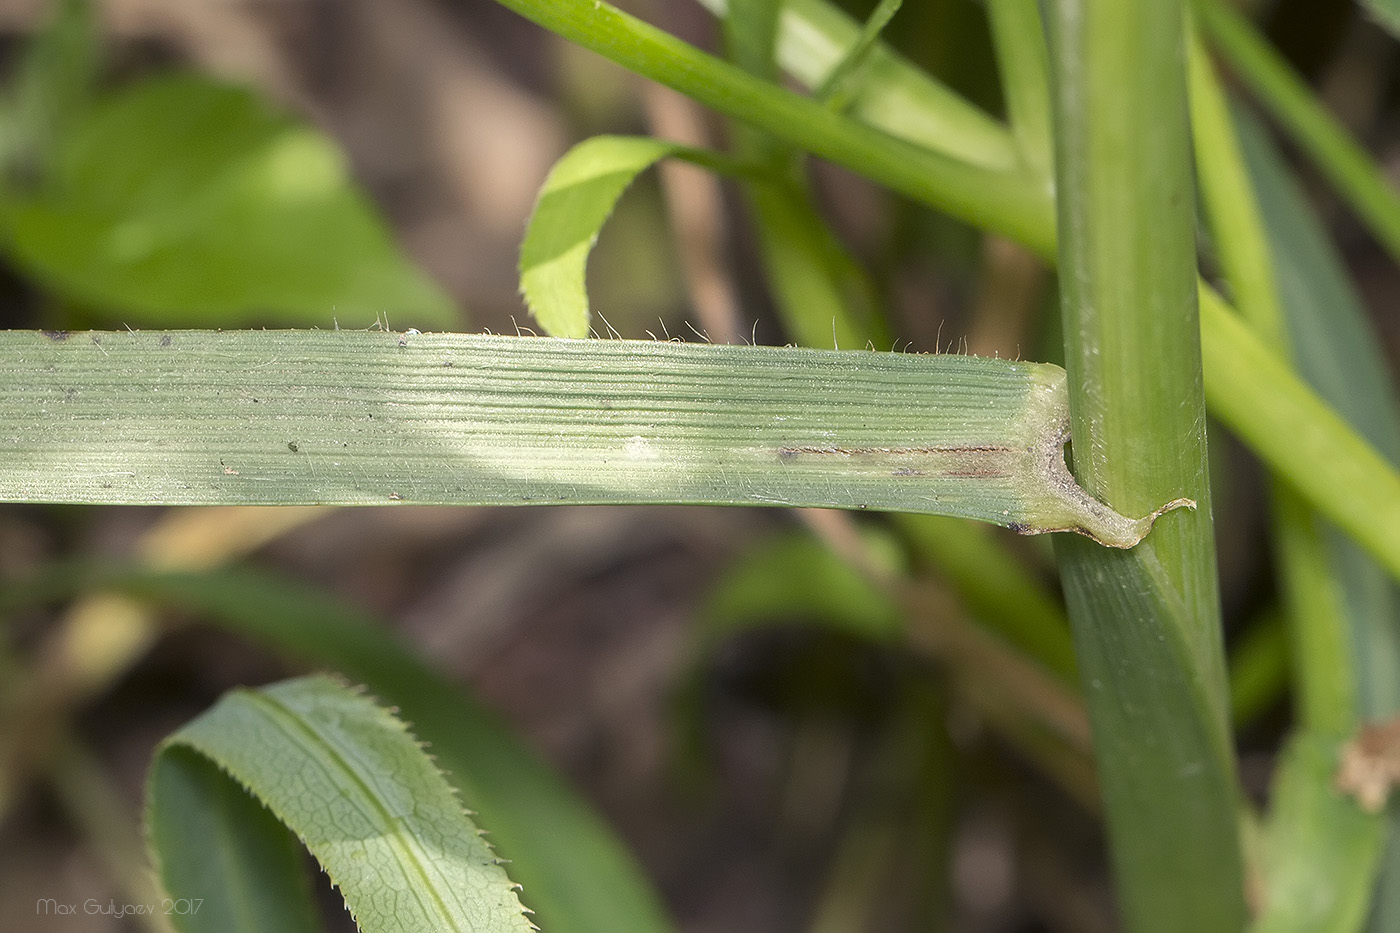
(577, 876)
(283, 417)
(361, 794)
(181, 200)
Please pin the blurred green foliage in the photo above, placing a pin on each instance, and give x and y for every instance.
(178, 201)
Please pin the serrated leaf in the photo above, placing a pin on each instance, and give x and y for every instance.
(181, 200)
(577, 876)
(354, 785)
(575, 202)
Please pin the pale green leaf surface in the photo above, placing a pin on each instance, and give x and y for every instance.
(366, 801)
(180, 200)
(575, 202)
(225, 862)
(277, 417)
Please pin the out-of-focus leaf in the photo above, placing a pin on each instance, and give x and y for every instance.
(364, 798)
(1385, 12)
(1337, 354)
(49, 93)
(795, 577)
(1258, 668)
(226, 863)
(184, 201)
(1314, 839)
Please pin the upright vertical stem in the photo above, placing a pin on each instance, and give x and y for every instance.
(1146, 621)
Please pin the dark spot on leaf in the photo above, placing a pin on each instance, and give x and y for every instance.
(293, 446)
(57, 335)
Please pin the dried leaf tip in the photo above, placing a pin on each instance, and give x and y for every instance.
(1369, 767)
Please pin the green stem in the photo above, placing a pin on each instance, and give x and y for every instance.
(1146, 622)
(815, 36)
(999, 200)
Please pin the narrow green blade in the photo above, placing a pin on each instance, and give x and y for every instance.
(1322, 852)
(1385, 12)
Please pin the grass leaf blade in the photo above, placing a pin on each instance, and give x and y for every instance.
(282, 417)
